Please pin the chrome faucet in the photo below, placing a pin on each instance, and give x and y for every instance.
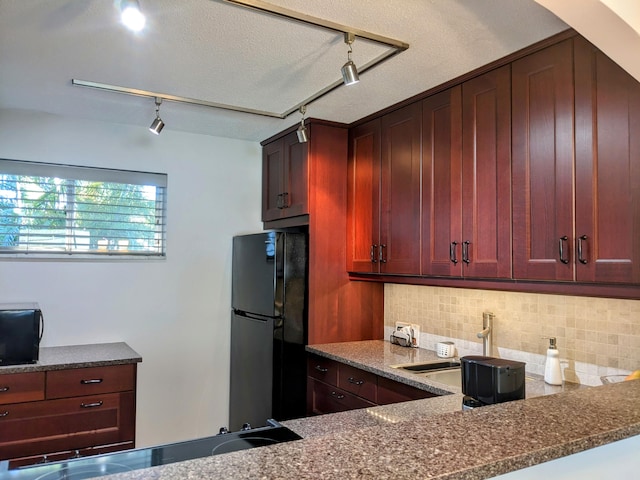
(485, 334)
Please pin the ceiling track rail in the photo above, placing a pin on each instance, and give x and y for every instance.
(395, 47)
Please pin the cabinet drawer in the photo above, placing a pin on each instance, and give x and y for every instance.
(323, 369)
(90, 381)
(390, 391)
(357, 381)
(329, 399)
(66, 424)
(21, 387)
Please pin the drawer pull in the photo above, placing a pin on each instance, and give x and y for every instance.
(321, 369)
(91, 381)
(354, 381)
(4, 414)
(91, 405)
(4, 389)
(337, 395)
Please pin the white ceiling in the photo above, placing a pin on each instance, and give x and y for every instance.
(218, 52)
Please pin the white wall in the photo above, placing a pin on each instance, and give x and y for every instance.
(174, 312)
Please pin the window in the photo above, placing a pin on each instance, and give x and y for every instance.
(51, 210)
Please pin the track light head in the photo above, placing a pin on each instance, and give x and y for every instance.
(157, 125)
(131, 16)
(350, 73)
(349, 69)
(302, 132)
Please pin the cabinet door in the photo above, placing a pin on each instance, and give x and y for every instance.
(542, 136)
(272, 180)
(486, 175)
(295, 196)
(390, 391)
(285, 180)
(442, 183)
(607, 169)
(363, 197)
(399, 251)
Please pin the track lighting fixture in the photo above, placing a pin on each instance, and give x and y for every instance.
(349, 70)
(157, 125)
(302, 132)
(131, 16)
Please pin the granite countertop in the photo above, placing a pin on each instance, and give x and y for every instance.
(78, 356)
(378, 356)
(469, 445)
(431, 438)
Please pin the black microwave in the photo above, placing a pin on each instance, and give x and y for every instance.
(21, 327)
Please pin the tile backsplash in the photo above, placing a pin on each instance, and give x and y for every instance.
(596, 336)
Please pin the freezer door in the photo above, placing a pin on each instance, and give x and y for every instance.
(251, 371)
(270, 278)
(253, 287)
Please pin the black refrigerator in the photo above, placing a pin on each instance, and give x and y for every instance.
(268, 328)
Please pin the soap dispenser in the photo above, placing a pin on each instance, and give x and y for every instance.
(552, 370)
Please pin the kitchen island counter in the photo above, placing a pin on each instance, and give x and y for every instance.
(474, 444)
(430, 438)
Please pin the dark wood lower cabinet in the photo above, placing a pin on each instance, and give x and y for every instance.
(72, 412)
(336, 387)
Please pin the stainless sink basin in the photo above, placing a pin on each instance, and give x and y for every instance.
(429, 366)
(442, 371)
(448, 377)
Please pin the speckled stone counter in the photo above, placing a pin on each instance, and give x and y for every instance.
(378, 356)
(78, 356)
(427, 439)
(459, 445)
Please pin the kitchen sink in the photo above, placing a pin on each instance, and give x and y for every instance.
(429, 366)
(442, 371)
(448, 377)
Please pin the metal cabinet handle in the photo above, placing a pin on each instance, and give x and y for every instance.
(465, 252)
(452, 253)
(4, 414)
(91, 405)
(337, 395)
(321, 369)
(4, 389)
(581, 259)
(561, 243)
(91, 381)
(381, 255)
(279, 201)
(285, 200)
(354, 381)
(374, 257)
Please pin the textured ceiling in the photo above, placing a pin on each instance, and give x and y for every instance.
(218, 52)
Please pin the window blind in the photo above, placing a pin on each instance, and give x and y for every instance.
(49, 209)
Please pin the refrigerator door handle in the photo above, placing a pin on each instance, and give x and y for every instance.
(253, 316)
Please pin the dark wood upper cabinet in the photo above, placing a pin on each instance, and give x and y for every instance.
(384, 194)
(486, 175)
(466, 202)
(607, 169)
(576, 171)
(542, 136)
(399, 245)
(526, 171)
(285, 178)
(442, 183)
(363, 198)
